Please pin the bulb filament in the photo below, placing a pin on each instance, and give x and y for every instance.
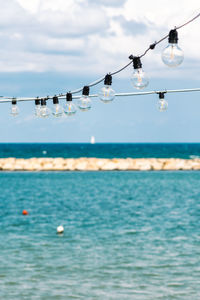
(106, 93)
(172, 53)
(139, 77)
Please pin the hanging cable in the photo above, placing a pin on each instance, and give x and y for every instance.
(151, 47)
(7, 100)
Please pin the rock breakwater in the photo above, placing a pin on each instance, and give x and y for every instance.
(98, 164)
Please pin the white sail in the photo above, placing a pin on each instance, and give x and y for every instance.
(92, 140)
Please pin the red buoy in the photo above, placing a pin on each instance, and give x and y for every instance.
(24, 212)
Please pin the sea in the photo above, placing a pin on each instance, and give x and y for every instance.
(127, 234)
(100, 150)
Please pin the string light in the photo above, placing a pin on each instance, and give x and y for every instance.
(37, 107)
(139, 78)
(124, 95)
(84, 103)
(162, 103)
(44, 110)
(57, 109)
(14, 108)
(107, 94)
(69, 108)
(172, 55)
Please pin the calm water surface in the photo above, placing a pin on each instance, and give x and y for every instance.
(128, 235)
(120, 150)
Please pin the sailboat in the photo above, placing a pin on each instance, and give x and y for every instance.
(92, 140)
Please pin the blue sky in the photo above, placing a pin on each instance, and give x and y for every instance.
(50, 46)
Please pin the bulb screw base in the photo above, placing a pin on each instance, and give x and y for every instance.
(161, 95)
(86, 90)
(37, 102)
(55, 100)
(108, 79)
(173, 36)
(14, 101)
(136, 62)
(43, 102)
(69, 97)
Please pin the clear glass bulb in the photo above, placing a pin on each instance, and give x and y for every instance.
(44, 111)
(162, 105)
(14, 110)
(172, 55)
(70, 108)
(37, 110)
(84, 103)
(139, 79)
(107, 94)
(57, 110)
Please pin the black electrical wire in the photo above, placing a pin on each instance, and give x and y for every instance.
(151, 47)
(191, 20)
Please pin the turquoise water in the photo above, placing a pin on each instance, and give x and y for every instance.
(120, 150)
(128, 235)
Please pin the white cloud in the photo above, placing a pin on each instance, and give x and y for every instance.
(43, 35)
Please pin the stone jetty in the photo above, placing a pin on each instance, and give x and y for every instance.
(98, 164)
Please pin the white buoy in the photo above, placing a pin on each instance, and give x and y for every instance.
(60, 229)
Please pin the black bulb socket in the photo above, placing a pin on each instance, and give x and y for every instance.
(14, 102)
(43, 102)
(55, 100)
(69, 97)
(86, 90)
(173, 36)
(161, 95)
(108, 79)
(37, 102)
(137, 62)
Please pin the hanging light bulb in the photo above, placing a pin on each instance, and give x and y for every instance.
(172, 55)
(139, 78)
(69, 108)
(44, 110)
(107, 94)
(57, 109)
(14, 108)
(162, 103)
(84, 103)
(37, 107)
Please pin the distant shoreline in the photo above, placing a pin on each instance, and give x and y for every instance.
(98, 164)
